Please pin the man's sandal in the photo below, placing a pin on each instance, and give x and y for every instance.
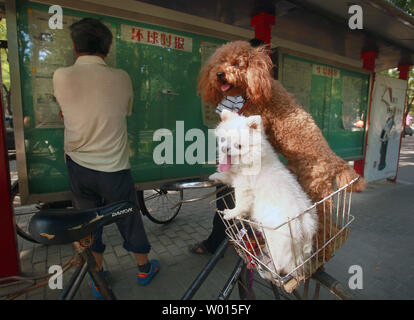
(198, 248)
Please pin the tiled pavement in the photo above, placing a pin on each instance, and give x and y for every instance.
(381, 242)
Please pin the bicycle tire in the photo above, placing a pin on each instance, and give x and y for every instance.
(163, 217)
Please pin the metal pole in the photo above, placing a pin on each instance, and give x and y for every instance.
(75, 282)
(231, 282)
(333, 285)
(206, 271)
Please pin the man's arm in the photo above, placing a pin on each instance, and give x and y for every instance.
(56, 77)
(56, 83)
(131, 95)
(130, 104)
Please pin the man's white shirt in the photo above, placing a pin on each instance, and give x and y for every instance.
(95, 100)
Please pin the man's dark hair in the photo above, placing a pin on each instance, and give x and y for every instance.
(91, 36)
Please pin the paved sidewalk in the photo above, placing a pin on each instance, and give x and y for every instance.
(382, 236)
(381, 242)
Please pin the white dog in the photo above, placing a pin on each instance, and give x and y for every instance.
(265, 191)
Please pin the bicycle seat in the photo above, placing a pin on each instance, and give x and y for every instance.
(61, 226)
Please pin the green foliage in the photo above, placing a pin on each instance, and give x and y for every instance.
(4, 62)
(408, 7)
(410, 91)
(405, 5)
(5, 72)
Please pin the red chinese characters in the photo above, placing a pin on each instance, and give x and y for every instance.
(136, 34)
(179, 43)
(165, 40)
(157, 38)
(325, 71)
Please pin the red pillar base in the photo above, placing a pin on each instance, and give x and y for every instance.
(9, 256)
(359, 166)
(404, 70)
(262, 24)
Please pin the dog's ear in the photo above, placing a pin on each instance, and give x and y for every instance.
(254, 122)
(227, 115)
(258, 77)
(210, 94)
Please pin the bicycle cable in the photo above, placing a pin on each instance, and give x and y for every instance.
(74, 260)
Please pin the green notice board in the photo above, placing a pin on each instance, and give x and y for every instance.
(337, 98)
(163, 64)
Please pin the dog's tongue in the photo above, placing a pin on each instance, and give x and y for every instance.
(225, 164)
(225, 87)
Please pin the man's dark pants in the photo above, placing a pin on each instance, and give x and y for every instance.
(91, 189)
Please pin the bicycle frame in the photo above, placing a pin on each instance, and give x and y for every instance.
(239, 273)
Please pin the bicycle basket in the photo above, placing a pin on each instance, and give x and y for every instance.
(250, 238)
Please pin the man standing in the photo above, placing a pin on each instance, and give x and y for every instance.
(95, 100)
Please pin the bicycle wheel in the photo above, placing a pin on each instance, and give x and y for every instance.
(160, 205)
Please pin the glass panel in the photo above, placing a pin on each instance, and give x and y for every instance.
(51, 49)
(352, 104)
(336, 98)
(296, 78)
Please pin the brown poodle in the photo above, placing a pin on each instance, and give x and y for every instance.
(238, 69)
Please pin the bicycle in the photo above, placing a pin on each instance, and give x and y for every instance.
(55, 223)
(63, 226)
(47, 228)
(245, 235)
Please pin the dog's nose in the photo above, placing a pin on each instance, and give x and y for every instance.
(220, 75)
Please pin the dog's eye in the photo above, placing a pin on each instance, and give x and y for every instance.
(237, 145)
(236, 65)
(222, 139)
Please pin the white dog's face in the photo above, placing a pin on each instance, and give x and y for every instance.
(239, 140)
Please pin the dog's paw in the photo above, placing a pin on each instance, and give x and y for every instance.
(231, 214)
(216, 177)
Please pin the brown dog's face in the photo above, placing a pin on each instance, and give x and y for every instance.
(237, 69)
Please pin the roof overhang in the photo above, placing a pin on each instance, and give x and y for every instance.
(317, 27)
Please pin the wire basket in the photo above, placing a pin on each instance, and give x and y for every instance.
(250, 240)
